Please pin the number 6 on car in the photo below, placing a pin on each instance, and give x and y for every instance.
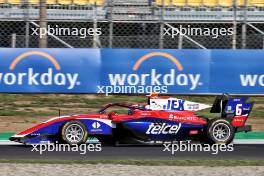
(239, 109)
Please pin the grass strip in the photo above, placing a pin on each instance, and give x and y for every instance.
(6, 135)
(250, 135)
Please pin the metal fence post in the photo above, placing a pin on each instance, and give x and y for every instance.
(234, 37)
(13, 41)
(43, 23)
(95, 37)
(26, 11)
(263, 42)
(110, 20)
(180, 41)
(161, 38)
(244, 26)
(111, 25)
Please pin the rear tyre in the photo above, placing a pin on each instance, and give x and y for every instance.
(74, 132)
(219, 131)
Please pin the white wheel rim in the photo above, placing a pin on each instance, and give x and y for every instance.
(221, 132)
(74, 133)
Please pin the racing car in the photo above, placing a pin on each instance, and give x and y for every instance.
(162, 119)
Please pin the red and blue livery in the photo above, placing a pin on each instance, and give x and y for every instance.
(163, 119)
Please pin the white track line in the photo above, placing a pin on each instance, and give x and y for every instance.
(248, 141)
(236, 141)
(7, 142)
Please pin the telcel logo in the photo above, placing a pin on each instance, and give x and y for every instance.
(163, 128)
(154, 78)
(32, 77)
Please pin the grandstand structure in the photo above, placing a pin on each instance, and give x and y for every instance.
(135, 23)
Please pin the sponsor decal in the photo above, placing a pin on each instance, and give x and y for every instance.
(152, 80)
(96, 127)
(35, 134)
(169, 79)
(239, 120)
(163, 128)
(155, 105)
(185, 118)
(174, 104)
(34, 77)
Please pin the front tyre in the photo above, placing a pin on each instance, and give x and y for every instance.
(219, 131)
(74, 132)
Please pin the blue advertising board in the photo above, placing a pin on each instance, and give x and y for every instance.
(111, 71)
(49, 70)
(237, 71)
(148, 70)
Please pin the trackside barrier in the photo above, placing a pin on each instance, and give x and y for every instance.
(131, 71)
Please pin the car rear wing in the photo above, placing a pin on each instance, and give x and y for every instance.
(235, 106)
(220, 103)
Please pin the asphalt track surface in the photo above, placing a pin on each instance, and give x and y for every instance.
(241, 152)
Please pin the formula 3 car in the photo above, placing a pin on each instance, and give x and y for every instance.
(163, 119)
